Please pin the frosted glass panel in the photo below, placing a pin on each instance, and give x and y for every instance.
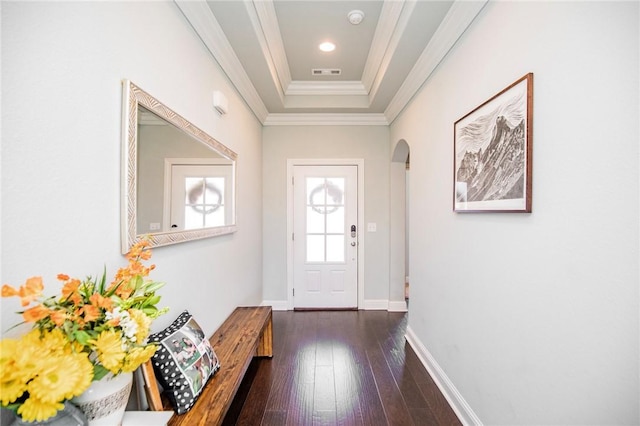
(335, 221)
(192, 219)
(315, 248)
(315, 191)
(335, 191)
(204, 202)
(325, 219)
(193, 186)
(335, 248)
(315, 221)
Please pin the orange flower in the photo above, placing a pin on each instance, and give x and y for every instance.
(28, 292)
(8, 291)
(91, 313)
(63, 277)
(145, 255)
(124, 291)
(36, 313)
(70, 291)
(100, 301)
(77, 317)
(137, 250)
(58, 317)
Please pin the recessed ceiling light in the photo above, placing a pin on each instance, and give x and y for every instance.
(327, 46)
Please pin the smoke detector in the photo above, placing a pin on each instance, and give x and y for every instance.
(355, 16)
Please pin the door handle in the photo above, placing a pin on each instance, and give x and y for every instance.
(353, 244)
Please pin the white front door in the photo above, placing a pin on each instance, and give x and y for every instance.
(325, 239)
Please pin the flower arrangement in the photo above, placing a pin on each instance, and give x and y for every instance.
(90, 330)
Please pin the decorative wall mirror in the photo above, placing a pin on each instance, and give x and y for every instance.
(178, 182)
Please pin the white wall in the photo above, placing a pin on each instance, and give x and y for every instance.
(62, 66)
(534, 317)
(370, 143)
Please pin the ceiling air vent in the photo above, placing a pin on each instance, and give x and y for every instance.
(326, 71)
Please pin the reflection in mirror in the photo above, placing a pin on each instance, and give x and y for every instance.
(179, 183)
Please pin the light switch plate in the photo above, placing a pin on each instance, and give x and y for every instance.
(371, 227)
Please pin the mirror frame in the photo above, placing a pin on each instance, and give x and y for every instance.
(134, 96)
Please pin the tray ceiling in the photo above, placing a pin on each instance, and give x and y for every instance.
(269, 51)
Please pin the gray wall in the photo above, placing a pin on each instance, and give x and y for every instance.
(533, 318)
(62, 66)
(370, 143)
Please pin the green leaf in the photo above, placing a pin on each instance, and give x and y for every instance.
(113, 290)
(152, 300)
(150, 310)
(99, 372)
(82, 337)
(13, 407)
(103, 280)
(153, 286)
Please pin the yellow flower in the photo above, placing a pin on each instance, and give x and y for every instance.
(51, 341)
(143, 323)
(34, 410)
(11, 388)
(138, 356)
(83, 376)
(29, 350)
(51, 363)
(61, 377)
(44, 386)
(109, 348)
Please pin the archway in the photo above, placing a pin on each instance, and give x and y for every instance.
(399, 225)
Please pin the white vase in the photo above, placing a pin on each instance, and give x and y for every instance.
(105, 400)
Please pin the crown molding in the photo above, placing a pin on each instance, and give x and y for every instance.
(389, 15)
(383, 67)
(316, 119)
(268, 32)
(264, 48)
(201, 18)
(326, 88)
(455, 23)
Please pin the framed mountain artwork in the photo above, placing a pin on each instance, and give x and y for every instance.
(493, 153)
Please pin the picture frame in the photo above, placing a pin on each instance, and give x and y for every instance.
(493, 147)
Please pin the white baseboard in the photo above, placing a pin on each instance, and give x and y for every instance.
(276, 305)
(375, 305)
(397, 306)
(455, 399)
(369, 305)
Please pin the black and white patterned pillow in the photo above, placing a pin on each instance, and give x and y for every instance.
(184, 361)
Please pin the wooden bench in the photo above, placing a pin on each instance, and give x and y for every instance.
(247, 333)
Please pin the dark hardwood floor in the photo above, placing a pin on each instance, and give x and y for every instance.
(339, 368)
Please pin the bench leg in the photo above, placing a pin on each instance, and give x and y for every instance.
(265, 345)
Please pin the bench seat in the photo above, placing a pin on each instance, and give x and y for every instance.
(246, 333)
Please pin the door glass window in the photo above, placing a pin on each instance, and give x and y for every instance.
(204, 202)
(325, 219)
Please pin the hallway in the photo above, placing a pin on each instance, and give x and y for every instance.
(339, 367)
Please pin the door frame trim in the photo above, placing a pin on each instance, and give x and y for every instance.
(291, 163)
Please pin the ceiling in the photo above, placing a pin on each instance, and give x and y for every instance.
(269, 49)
